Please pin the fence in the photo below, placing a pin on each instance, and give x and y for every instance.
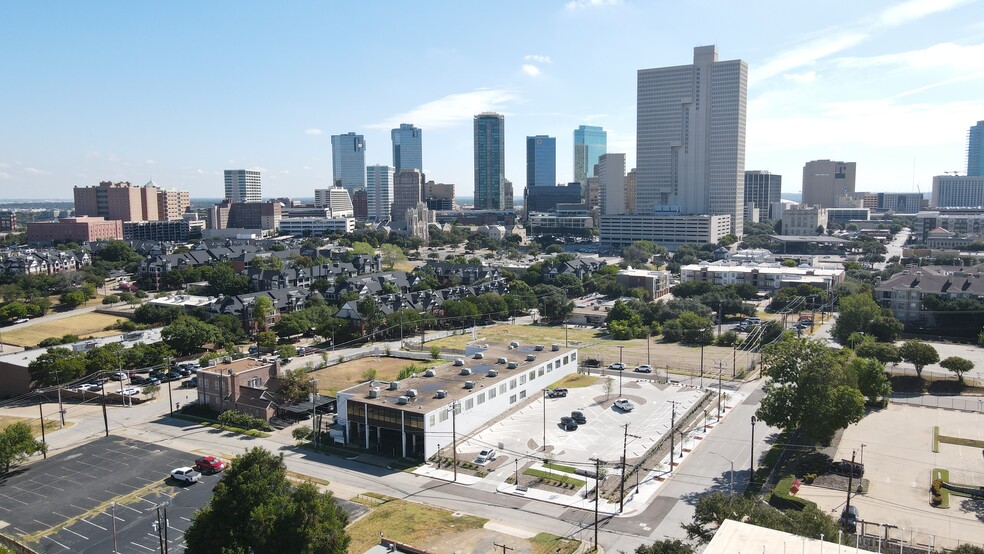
(17, 547)
(876, 537)
(954, 402)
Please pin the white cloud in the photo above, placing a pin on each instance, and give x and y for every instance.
(5, 175)
(307, 168)
(35, 171)
(453, 109)
(802, 78)
(580, 4)
(313, 132)
(4, 165)
(943, 55)
(943, 83)
(531, 70)
(151, 162)
(201, 172)
(913, 10)
(537, 58)
(806, 54)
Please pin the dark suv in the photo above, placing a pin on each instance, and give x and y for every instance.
(556, 393)
(849, 519)
(568, 423)
(579, 417)
(847, 468)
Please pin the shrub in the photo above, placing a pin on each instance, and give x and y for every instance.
(301, 433)
(937, 499)
(435, 352)
(235, 418)
(937, 486)
(809, 478)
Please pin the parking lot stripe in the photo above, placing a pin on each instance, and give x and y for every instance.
(142, 546)
(129, 508)
(184, 518)
(93, 524)
(74, 533)
(58, 543)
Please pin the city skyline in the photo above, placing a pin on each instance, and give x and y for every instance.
(894, 89)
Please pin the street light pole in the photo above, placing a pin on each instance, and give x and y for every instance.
(752, 448)
(544, 420)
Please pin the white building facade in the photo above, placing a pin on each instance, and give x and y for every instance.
(670, 231)
(957, 191)
(379, 191)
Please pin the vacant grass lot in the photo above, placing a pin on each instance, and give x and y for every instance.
(526, 334)
(49, 424)
(83, 325)
(407, 522)
(346, 374)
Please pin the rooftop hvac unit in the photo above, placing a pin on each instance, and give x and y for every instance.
(227, 360)
(402, 400)
(469, 384)
(530, 357)
(412, 393)
(512, 365)
(394, 385)
(554, 347)
(442, 393)
(429, 373)
(374, 392)
(493, 372)
(538, 347)
(501, 360)
(513, 344)
(479, 355)
(466, 371)
(459, 361)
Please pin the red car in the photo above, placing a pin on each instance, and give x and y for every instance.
(209, 464)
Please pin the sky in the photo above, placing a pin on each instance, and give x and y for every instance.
(179, 91)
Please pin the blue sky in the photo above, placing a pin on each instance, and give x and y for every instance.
(182, 90)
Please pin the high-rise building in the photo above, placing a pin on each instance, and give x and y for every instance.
(825, 180)
(8, 221)
(630, 191)
(541, 161)
(172, 204)
(407, 148)
(348, 161)
(690, 137)
(508, 200)
(336, 199)
(590, 143)
(763, 189)
(379, 191)
(611, 182)
(490, 161)
(439, 196)
(957, 191)
(975, 150)
(118, 201)
(407, 185)
(242, 185)
(360, 204)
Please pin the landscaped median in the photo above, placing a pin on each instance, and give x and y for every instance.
(224, 427)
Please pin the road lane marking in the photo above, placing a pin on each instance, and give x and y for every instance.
(142, 546)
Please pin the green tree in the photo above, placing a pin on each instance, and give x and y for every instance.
(262, 310)
(17, 443)
(957, 365)
(390, 255)
(886, 353)
(554, 304)
(111, 299)
(967, 549)
(296, 386)
(363, 248)
(331, 326)
(666, 546)
(856, 312)
(57, 365)
(871, 378)
(372, 315)
(266, 341)
(571, 284)
(808, 389)
(73, 298)
(254, 508)
(287, 351)
(187, 335)
(919, 354)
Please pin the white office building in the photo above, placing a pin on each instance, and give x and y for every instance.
(957, 191)
(768, 277)
(379, 191)
(336, 199)
(690, 137)
(668, 230)
(802, 220)
(316, 225)
(611, 183)
(242, 185)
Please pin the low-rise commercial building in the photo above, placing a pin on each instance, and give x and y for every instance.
(670, 231)
(317, 225)
(171, 231)
(558, 221)
(768, 277)
(75, 229)
(656, 283)
(415, 417)
(845, 216)
(238, 385)
(802, 220)
(959, 221)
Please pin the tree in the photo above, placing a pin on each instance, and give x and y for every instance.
(187, 335)
(111, 299)
(266, 341)
(666, 546)
(254, 508)
(957, 365)
(73, 298)
(609, 387)
(372, 315)
(17, 442)
(554, 304)
(57, 365)
(390, 255)
(871, 378)
(856, 312)
(262, 310)
(572, 286)
(967, 549)
(712, 509)
(808, 389)
(296, 386)
(151, 390)
(919, 354)
(886, 353)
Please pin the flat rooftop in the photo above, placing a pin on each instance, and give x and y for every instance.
(130, 339)
(448, 377)
(820, 239)
(237, 366)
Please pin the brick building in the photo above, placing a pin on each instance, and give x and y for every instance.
(74, 229)
(238, 385)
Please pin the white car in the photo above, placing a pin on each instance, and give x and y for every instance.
(129, 391)
(186, 474)
(643, 369)
(617, 366)
(624, 405)
(486, 455)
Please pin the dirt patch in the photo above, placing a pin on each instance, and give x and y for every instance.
(479, 541)
(346, 374)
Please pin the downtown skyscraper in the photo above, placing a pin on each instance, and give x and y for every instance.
(541, 161)
(348, 161)
(490, 161)
(690, 137)
(590, 143)
(242, 185)
(407, 148)
(975, 150)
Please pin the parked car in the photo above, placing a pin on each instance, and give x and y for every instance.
(209, 464)
(186, 474)
(138, 380)
(556, 393)
(190, 383)
(617, 366)
(118, 376)
(579, 417)
(624, 405)
(849, 519)
(645, 368)
(22, 320)
(486, 455)
(568, 423)
(184, 371)
(847, 467)
(130, 391)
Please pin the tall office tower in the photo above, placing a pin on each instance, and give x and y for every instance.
(242, 185)
(957, 191)
(541, 161)
(121, 201)
(348, 161)
(763, 189)
(825, 180)
(407, 189)
(630, 191)
(589, 144)
(360, 204)
(379, 191)
(438, 196)
(611, 182)
(508, 201)
(975, 150)
(408, 151)
(172, 204)
(490, 161)
(336, 199)
(690, 137)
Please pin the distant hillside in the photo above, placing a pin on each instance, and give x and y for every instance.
(794, 196)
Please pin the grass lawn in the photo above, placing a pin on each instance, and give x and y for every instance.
(49, 424)
(407, 522)
(545, 543)
(84, 325)
(346, 374)
(525, 334)
(575, 380)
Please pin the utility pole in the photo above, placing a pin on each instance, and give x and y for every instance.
(597, 494)
(454, 438)
(170, 398)
(544, 420)
(850, 485)
(701, 366)
(734, 359)
(672, 427)
(105, 415)
(115, 549)
(625, 446)
(752, 448)
(44, 451)
(502, 546)
(720, 369)
(649, 358)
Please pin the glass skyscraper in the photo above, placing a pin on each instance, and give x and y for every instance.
(589, 144)
(490, 161)
(407, 148)
(975, 151)
(541, 161)
(348, 161)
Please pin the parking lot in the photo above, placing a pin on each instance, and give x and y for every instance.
(522, 432)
